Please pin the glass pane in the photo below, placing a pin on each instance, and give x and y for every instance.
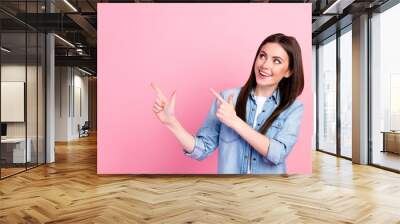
(23, 84)
(385, 86)
(32, 83)
(32, 95)
(13, 86)
(41, 98)
(314, 82)
(327, 96)
(346, 94)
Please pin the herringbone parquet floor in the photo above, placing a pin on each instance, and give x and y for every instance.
(70, 191)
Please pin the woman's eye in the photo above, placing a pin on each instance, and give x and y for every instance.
(276, 61)
(262, 56)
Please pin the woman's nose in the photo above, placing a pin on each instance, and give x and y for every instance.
(267, 64)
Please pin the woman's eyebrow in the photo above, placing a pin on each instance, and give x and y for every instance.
(277, 57)
(274, 57)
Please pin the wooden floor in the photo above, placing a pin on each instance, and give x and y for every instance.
(70, 191)
(387, 159)
(5, 172)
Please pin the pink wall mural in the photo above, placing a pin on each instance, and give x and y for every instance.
(188, 48)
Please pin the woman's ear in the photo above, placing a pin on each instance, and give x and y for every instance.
(288, 74)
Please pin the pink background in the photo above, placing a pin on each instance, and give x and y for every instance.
(188, 48)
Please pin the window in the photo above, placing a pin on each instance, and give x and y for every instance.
(385, 89)
(327, 96)
(346, 95)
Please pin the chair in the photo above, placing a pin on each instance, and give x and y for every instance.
(84, 130)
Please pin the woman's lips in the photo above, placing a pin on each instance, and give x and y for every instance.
(264, 74)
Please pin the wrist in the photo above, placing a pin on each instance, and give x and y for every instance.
(237, 123)
(172, 123)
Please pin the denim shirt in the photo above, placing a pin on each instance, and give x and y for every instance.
(235, 154)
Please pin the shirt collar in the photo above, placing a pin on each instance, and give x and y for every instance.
(275, 95)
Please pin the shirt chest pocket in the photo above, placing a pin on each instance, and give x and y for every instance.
(275, 128)
(227, 134)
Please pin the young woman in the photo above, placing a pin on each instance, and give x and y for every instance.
(256, 126)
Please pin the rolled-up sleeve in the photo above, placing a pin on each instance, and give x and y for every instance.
(284, 140)
(207, 138)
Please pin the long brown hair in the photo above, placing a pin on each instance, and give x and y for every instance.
(288, 88)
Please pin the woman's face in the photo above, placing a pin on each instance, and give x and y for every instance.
(272, 64)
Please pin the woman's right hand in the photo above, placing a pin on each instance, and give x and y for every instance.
(164, 109)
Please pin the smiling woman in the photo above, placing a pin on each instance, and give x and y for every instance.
(256, 126)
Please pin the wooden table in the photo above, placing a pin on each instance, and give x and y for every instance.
(391, 141)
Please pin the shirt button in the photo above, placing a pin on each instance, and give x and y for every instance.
(254, 159)
(263, 111)
(252, 109)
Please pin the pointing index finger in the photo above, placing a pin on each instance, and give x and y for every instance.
(218, 96)
(158, 91)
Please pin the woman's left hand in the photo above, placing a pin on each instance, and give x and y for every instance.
(226, 112)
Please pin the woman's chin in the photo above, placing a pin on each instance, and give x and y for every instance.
(265, 83)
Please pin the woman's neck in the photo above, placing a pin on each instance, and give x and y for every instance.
(264, 91)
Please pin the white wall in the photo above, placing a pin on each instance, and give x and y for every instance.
(61, 103)
(12, 101)
(81, 103)
(71, 93)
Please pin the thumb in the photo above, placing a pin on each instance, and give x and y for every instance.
(230, 99)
